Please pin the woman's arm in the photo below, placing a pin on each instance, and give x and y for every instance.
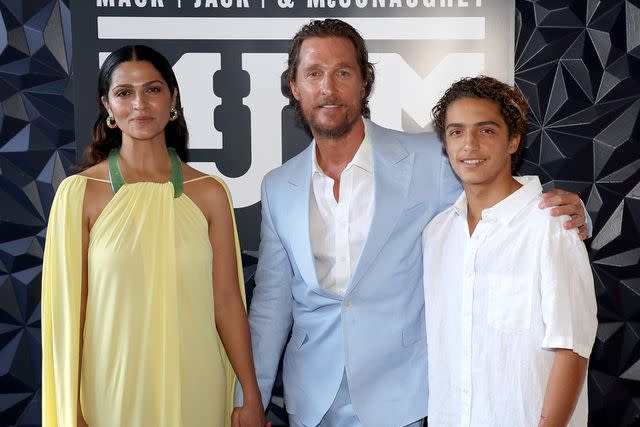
(96, 196)
(565, 382)
(230, 314)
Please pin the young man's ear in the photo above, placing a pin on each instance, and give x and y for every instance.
(514, 142)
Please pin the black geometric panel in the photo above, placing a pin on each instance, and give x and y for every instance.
(578, 62)
(37, 147)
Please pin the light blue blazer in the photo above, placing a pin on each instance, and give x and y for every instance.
(376, 332)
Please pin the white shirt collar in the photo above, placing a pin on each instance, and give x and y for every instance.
(506, 209)
(363, 157)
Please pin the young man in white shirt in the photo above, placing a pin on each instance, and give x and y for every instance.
(510, 303)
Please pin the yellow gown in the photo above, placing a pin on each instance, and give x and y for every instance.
(152, 355)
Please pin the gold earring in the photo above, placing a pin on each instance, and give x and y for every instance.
(173, 114)
(111, 122)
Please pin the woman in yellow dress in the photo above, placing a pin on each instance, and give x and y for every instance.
(143, 315)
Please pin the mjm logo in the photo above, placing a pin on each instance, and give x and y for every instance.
(399, 90)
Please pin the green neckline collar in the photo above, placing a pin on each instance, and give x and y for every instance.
(117, 180)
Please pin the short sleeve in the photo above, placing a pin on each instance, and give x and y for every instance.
(569, 309)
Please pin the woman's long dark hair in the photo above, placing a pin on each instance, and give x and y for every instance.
(104, 138)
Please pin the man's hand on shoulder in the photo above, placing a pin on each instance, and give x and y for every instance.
(566, 203)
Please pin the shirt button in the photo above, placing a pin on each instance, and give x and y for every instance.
(347, 304)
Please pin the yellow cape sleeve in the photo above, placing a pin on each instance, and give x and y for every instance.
(229, 373)
(60, 305)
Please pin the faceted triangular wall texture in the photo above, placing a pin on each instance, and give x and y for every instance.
(37, 147)
(578, 62)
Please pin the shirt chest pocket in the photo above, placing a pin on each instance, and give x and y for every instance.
(508, 303)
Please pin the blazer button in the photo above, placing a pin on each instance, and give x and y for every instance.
(347, 304)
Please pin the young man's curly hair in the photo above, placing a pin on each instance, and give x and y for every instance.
(512, 103)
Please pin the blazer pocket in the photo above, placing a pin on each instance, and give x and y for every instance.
(416, 332)
(298, 337)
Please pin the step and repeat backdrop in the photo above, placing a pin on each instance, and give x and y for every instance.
(229, 55)
(578, 62)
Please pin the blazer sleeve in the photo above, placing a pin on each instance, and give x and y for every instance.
(60, 305)
(270, 314)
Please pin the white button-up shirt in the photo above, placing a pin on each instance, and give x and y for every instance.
(338, 230)
(497, 302)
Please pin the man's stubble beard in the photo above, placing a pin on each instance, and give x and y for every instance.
(318, 131)
(337, 132)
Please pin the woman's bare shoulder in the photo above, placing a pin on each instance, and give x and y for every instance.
(189, 173)
(99, 171)
(208, 192)
(208, 185)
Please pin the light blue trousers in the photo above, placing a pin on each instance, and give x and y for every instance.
(340, 413)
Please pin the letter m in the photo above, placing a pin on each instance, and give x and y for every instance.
(402, 89)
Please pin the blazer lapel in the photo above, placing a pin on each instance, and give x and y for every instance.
(298, 209)
(393, 167)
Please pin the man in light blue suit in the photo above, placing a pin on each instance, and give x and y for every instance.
(340, 259)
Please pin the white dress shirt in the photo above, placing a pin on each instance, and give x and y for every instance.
(338, 230)
(497, 302)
